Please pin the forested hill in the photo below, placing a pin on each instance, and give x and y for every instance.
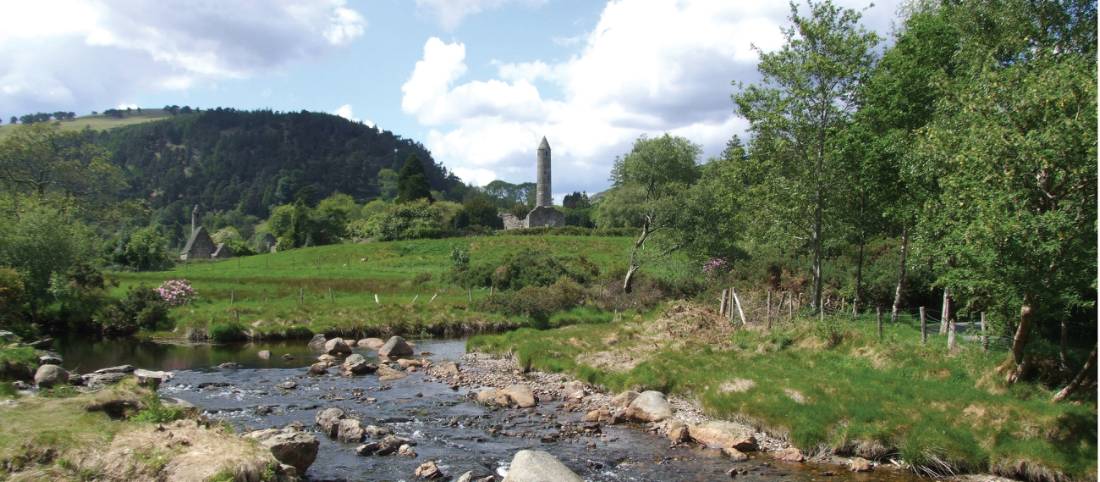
(250, 161)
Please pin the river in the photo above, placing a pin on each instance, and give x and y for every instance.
(447, 427)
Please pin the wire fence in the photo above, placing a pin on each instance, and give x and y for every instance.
(775, 308)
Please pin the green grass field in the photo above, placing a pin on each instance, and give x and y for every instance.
(332, 289)
(940, 412)
(99, 122)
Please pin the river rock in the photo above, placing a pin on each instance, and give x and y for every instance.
(789, 454)
(349, 430)
(598, 415)
(734, 454)
(329, 420)
(407, 363)
(288, 385)
(649, 406)
(860, 464)
(49, 375)
(720, 434)
(118, 369)
(406, 450)
(387, 373)
(229, 366)
(98, 380)
(388, 445)
(291, 447)
(319, 368)
(623, 400)
(449, 369)
(428, 470)
(356, 364)
(574, 390)
(337, 347)
(317, 343)
(538, 466)
(676, 431)
(395, 347)
(264, 354)
(150, 378)
(49, 358)
(492, 396)
(374, 431)
(371, 343)
(520, 395)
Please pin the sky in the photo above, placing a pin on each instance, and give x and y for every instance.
(478, 82)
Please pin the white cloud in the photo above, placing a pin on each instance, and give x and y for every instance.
(450, 13)
(346, 112)
(648, 67)
(83, 54)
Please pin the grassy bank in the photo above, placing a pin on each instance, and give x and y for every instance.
(833, 386)
(333, 289)
(59, 435)
(17, 362)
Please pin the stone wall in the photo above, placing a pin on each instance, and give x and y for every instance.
(544, 216)
(512, 222)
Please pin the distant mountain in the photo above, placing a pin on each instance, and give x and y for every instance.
(250, 161)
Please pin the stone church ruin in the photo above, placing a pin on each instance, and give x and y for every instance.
(544, 213)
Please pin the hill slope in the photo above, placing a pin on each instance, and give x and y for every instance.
(224, 159)
(101, 122)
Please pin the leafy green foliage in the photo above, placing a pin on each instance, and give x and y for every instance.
(145, 250)
(154, 411)
(227, 332)
(141, 308)
(524, 268)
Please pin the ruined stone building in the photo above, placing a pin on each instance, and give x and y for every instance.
(544, 213)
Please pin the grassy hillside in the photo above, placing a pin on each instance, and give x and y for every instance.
(333, 288)
(833, 386)
(101, 122)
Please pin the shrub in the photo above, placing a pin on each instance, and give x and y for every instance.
(154, 411)
(145, 250)
(176, 292)
(141, 308)
(412, 220)
(537, 302)
(227, 332)
(528, 268)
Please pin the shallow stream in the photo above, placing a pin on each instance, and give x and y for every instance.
(449, 428)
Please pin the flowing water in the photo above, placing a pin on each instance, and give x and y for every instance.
(447, 427)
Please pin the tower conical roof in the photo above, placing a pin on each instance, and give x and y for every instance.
(544, 144)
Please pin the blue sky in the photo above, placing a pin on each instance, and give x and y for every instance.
(479, 82)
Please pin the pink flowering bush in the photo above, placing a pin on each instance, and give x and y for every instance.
(715, 266)
(176, 292)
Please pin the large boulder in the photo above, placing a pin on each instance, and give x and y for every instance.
(50, 375)
(719, 434)
(337, 347)
(395, 347)
(329, 420)
(317, 343)
(371, 343)
(291, 447)
(649, 406)
(356, 364)
(520, 395)
(538, 466)
(99, 380)
(623, 400)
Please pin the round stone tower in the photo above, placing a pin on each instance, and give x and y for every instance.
(543, 196)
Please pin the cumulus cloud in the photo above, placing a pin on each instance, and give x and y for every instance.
(648, 67)
(82, 54)
(450, 13)
(346, 112)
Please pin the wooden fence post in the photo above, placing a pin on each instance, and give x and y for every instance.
(722, 304)
(985, 337)
(945, 313)
(301, 295)
(950, 335)
(232, 296)
(376, 299)
(790, 306)
(923, 328)
(768, 310)
(737, 300)
(878, 317)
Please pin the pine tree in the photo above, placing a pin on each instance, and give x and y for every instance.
(412, 182)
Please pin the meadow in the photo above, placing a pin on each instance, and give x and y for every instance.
(100, 122)
(358, 289)
(834, 386)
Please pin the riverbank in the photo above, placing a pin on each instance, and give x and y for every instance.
(830, 389)
(120, 432)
